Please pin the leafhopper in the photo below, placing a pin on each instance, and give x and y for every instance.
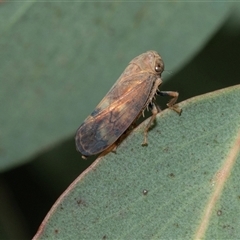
(126, 101)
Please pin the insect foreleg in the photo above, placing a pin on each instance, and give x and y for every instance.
(171, 103)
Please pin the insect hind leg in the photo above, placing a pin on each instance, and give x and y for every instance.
(155, 110)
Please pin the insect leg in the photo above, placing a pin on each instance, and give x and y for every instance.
(171, 103)
(155, 111)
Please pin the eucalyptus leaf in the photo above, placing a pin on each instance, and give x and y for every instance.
(183, 185)
(59, 59)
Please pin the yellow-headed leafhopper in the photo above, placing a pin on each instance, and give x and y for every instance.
(134, 91)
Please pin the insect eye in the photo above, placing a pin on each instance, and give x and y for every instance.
(158, 68)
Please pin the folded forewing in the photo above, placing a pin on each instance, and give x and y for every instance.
(114, 115)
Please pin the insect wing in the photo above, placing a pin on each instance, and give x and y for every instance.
(115, 113)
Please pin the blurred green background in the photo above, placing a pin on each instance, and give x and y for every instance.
(57, 60)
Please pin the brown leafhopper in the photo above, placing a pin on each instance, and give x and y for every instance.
(134, 91)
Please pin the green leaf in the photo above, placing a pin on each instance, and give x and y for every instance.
(59, 59)
(182, 186)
